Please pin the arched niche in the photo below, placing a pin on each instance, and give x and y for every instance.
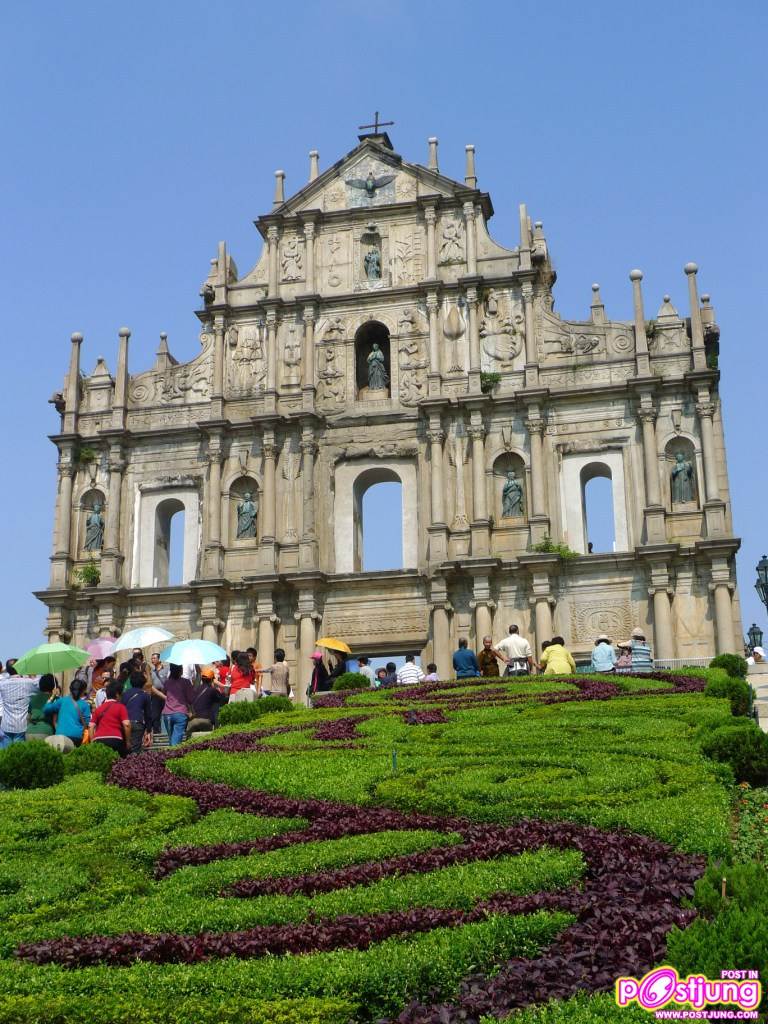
(90, 532)
(510, 490)
(681, 475)
(248, 518)
(352, 480)
(373, 337)
(368, 479)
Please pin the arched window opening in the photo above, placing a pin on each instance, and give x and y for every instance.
(169, 544)
(598, 506)
(378, 521)
(372, 360)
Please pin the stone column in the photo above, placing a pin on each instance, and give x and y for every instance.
(265, 644)
(647, 417)
(469, 219)
(309, 239)
(271, 389)
(662, 624)
(430, 216)
(480, 521)
(706, 412)
(531, 355)
(538, 516)
(111, 558)
(308, 387)
(483, 608)
(121, 381)
(697, 330)
(273, 238)
(213, 546)
(307, 617)
(474, 341)
(72, 390)
(62, 530)
(655, 532)
(436, 438)
(269, 498)
(723, 617)
(542, 615)
(308, 543)
(217, 390)
(433, 374)
(642, 362)
(441, 641)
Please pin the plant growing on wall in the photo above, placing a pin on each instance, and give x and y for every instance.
(488, 382)
(548, 546)
(88, 575)
(85, 455)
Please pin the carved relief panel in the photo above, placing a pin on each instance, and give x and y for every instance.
(412, 355)
(246, 359)
(335, 261)
(502, 332)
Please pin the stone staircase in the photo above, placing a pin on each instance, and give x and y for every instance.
(159, 741)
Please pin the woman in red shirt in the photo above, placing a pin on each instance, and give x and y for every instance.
(242, 674)
(110, 721)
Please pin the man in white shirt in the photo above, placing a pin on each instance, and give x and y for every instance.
(516, 652)
(409, 674)
(365, 670)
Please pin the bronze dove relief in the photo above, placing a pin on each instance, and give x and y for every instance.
(369, 184)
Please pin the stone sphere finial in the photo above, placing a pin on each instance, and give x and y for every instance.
(470, 147)
(279, 174)
(76, 338)
(635, 275)
(705, 299)
(595, 287)
(163, 336)
(432, 139)
(538, 223)
(691, 268)
(124, 332)
(667, 298)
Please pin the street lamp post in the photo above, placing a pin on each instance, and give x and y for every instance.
(755, 635)
(761, 584)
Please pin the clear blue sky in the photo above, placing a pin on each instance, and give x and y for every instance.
(136, 136)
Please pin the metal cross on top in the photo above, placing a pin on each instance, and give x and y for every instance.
(376, 124)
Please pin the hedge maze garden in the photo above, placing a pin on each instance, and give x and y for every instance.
(464, 851)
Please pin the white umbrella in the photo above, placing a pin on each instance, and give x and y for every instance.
(143, 637)
(193, 652)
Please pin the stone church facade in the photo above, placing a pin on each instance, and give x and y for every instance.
(384, 335)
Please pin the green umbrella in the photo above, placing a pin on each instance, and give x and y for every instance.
(51, 658)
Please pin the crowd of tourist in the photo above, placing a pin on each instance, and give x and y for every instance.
(124, 705)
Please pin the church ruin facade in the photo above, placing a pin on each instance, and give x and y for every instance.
(383, 335)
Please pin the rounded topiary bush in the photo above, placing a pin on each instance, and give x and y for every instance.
(240, 713)
(733, 664)
(744, 748)
(351, 681)
(736, 690)
(93, 757)
(30, 766)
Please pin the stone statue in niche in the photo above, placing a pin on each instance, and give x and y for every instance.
(246, 517)
(511, 497)
(452, 245)
(377, 370)
(682, 480)
(291, 260)
(372, 264)
(94, 529)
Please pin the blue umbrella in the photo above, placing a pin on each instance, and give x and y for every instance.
(193, 652)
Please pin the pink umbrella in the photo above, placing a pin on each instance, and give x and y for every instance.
(101, 648)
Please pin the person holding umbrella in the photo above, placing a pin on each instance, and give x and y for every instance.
(23, 682)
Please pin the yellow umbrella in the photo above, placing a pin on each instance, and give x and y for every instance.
(333, 644)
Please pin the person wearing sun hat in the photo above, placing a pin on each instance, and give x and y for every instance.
(642, 660)
(206, 701)
(603, 655)
(320, 681)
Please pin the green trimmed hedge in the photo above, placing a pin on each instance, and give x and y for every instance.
(242, 712)
(744, 748)
(351, 681)
(582, 1009)
(733, 664)
(93, 757)
(32, 765)
(735, 690)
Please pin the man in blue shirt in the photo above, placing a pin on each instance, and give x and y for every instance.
(465, 663)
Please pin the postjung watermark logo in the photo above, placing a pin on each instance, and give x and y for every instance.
(662, 990)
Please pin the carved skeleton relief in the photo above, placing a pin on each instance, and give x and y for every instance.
(292, 259)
